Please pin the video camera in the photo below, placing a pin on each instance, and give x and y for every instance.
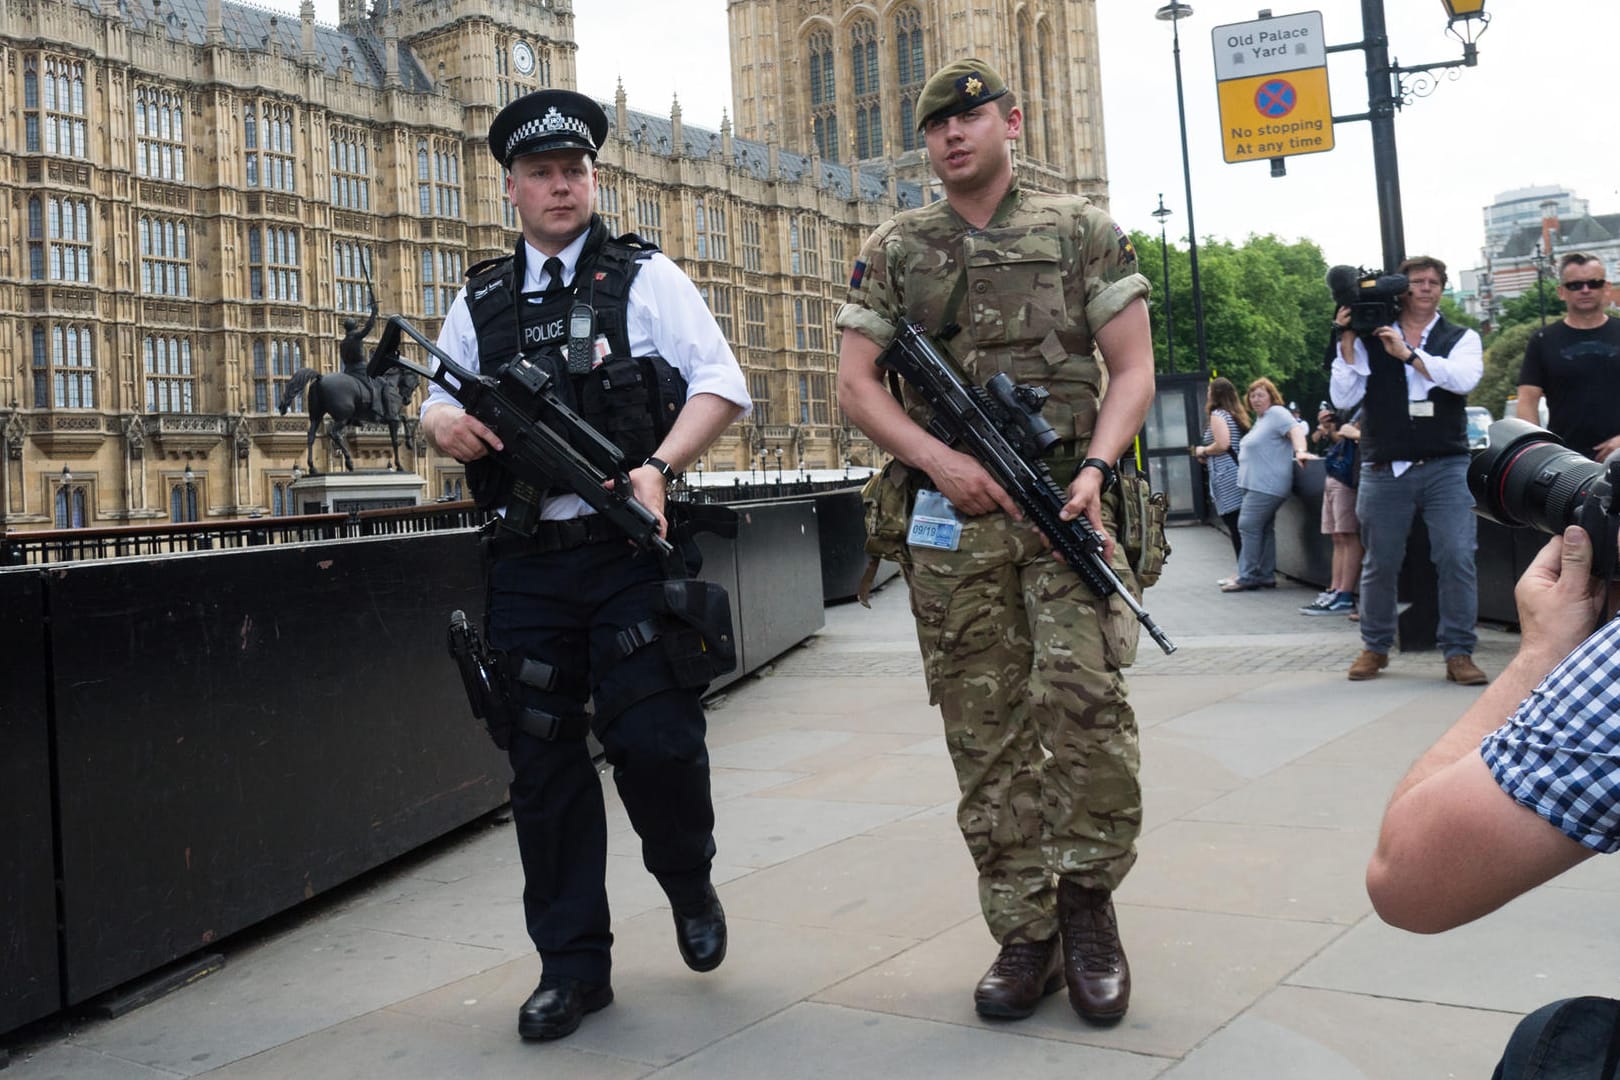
(1527, 477)
(1374, 298)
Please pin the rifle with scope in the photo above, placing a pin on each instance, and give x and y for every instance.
(1000, 425)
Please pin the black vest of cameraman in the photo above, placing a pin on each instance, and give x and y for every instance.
(1389, 431)
(631, 400)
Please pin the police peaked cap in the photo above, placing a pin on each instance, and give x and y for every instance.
(547, 120)
(956, 88)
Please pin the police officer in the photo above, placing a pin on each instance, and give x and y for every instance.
(566, 598)
(1022, 659)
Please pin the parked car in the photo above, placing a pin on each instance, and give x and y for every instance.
(1479, 426)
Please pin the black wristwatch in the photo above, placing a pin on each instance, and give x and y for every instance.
(662, 466)
(1110, 478)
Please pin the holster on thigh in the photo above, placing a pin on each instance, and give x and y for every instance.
(685, 643)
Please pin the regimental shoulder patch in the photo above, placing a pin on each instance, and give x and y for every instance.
(1127, 250)
(860, 272)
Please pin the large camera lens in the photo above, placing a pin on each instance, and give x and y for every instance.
(1527, 477)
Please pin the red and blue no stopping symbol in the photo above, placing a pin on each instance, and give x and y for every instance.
(1276, 98)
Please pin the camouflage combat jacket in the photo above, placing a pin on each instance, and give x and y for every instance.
(1041, 277)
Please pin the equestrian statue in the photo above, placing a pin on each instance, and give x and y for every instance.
(351, 396)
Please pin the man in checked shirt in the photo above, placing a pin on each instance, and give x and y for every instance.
(1496, 808)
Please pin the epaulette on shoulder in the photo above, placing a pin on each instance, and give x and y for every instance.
(635, 243)
(488, 264)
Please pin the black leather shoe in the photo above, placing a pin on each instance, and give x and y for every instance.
(701, 933)
(558, 1005)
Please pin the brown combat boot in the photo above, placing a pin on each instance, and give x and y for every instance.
(1094, 962)
(1462, 669)
(1368, 664)
(1023, 973)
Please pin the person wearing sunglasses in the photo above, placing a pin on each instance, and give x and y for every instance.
(1576, 363)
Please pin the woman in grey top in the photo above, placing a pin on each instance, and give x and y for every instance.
(1271, 450)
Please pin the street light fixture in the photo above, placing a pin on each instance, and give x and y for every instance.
(67, 476)
(779, 465)
(1173, 13)
(1162, 213)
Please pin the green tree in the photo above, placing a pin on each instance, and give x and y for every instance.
(1527, 308)
(1266, 311)
(1454, 313)
(1502, 359)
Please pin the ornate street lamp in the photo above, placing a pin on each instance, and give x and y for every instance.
(1173, 13)
(67, 476)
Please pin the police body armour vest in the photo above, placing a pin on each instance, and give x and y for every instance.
(631, 400)
(1389, 431)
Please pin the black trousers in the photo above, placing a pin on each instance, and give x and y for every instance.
(565, 608)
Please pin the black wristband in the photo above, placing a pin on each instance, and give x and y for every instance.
(1107, 470)
(663, 467)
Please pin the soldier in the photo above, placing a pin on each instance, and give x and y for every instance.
(351, 350)
(1019, 655)
(572, 608)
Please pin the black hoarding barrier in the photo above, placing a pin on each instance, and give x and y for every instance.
(30, 984)
(239, 731)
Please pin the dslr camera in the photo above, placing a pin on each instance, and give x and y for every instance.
(1373, 297)
(1526, 477)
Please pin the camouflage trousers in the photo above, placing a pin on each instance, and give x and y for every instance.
(1024, 663)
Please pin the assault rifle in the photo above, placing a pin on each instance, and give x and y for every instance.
(545, 442)
(1000, 425)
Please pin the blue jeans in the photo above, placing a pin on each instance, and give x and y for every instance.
(1386, 503)
(1257, 557)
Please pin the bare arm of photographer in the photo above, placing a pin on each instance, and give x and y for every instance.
(1454, 846)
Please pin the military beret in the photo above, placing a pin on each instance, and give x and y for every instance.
(547, 120)
(956, 88)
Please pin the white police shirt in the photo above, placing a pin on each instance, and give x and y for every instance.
(666, 317)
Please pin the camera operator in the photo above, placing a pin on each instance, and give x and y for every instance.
(1494, 809)
(1412, 378)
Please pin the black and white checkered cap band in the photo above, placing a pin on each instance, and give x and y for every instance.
(553, 121)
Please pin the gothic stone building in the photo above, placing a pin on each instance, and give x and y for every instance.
(191, 193)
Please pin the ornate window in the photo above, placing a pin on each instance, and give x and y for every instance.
(438, 178)
(59, 239)
(273, 267)
(804, 242)
(183, 500)
(809, 324)
(441, 280)
(160, 133)
(710, 232)
(650, 217)
(171, 380)
(267, 135)
(72, 507)
(753, 255)
(718, 297)
(754, 321)
(759, 388)
(607, 204)
(165, 256)
(813, 399)
(64, 366)
(1046, 94)
(274, 361)
(836, 267)
(349, 266)
(863, 61)
(911, 72)
(350, 164)
(54, 118)
(823, 94)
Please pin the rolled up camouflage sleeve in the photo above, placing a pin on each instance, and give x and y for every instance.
(872, 310)
(1111, 278)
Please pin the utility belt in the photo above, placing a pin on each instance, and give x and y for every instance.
(565, 535)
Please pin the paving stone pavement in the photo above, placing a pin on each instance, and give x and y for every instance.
(856, 937)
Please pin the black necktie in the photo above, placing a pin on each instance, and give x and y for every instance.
(553, 266)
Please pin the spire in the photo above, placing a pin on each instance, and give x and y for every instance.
(676, 137)
(306, 23)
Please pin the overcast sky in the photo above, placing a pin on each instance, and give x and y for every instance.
(1532, 112)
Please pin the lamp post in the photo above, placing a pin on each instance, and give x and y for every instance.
(1388, 90)
(847, 464)
(778, 466)
(190, 479)
(1541, 262)
(1169, 321)
(1173, 13)
(699, 466)
(67, 476)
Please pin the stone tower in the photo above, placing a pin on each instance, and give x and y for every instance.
(840, 78)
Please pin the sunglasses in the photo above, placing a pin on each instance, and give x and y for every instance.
(1577, 286)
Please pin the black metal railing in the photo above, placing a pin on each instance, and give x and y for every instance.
(46, 546)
